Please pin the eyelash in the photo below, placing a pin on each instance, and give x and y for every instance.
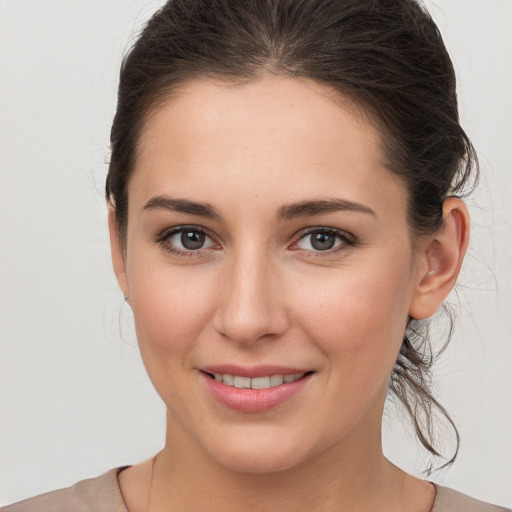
(164, 240)
(347, 240)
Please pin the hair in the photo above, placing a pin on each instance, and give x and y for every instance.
(386, 56)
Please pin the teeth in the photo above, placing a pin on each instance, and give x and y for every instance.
(260, 383)
(257, 382)
(276, 380)
(242, 382)
(227, 379)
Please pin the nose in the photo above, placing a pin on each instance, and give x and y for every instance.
(250, 300)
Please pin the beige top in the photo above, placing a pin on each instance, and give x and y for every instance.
(102, 494)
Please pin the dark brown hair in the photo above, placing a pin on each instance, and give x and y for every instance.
(386, 55)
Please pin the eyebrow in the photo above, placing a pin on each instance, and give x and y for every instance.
(319, 207)
(183, 206)
(286, 212)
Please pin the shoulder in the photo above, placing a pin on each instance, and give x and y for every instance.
(448, 500)
(100, 494)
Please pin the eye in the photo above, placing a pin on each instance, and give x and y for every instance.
(190, 239)
(186, 240)
(324, 239)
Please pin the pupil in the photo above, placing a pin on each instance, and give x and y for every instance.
(192, 239)
(322, 241)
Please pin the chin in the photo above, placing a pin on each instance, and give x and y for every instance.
(246, 454)
(257, 464)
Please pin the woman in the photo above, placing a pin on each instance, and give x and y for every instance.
(284, 216)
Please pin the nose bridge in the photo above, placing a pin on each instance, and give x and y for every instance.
(250, 306)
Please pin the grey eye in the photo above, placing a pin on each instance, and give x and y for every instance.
(190, 240)
(320, 240)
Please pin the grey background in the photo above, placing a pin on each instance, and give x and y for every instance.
(74, 397)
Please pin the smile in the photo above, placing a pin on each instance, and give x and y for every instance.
(257, 389)
(265, 382)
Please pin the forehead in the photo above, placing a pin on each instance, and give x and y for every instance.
(278, 137)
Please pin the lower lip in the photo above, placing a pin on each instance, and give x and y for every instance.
(253, 400)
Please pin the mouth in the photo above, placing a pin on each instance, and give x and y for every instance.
(257, 389)
(264, 382)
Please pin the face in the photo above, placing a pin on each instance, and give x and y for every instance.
(267, 247)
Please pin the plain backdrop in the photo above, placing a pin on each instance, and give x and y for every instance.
(75, 400)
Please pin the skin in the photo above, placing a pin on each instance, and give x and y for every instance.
(260, 293)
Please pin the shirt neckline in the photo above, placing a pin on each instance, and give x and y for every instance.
(118, 470)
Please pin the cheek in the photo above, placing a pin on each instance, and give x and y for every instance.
(358, 325)
(170, 306)
(358, 318)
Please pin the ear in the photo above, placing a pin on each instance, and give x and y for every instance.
(440, 260)
(117, 252)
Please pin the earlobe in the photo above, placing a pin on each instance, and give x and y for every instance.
(442, 259)
(117, 253)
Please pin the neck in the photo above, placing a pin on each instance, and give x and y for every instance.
(352, 475)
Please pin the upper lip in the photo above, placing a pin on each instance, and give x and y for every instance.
(252, 371)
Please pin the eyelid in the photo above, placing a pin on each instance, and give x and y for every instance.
(163, 239)
(165, 233)
(348, 240)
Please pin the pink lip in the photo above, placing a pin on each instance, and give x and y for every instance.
(253, 400)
